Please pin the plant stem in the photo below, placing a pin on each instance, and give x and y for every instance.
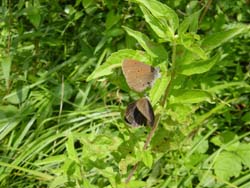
(205, 10)
(164, 99)
(163, 103)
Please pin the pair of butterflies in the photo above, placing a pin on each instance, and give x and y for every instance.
(139, 76)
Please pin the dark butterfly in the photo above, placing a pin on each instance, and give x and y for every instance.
(139, 113)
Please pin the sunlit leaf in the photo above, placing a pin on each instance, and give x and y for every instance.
(158, 89)
(224, 138)
(214, 40)
(164, 14)
(244, 152)
(72, 154)
(190, 23)
(6, 67)
(198, 67)
(153, 49)
(34, 16)
(227, 165)
(115, 61)
(18, 96)
(161, 18)
(189, 96)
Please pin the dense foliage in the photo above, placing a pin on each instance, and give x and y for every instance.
(63, 94)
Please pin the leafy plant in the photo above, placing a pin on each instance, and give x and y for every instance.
(185, 87)
(62, 108)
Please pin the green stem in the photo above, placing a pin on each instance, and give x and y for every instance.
(163, 103)
(164, 99)
(205, 10)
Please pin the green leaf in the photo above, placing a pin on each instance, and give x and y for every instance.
(109, 173)
(189, 96)
(147, 158)
(246, 117)
(190, 23)
(162, 19)
(125, 162)
(62, 92)
(8, 111)
(244, 152)
(50, 160)
(71, 149)
(159, 87)
(198, 67)
(78, 15)
(227, 165)
(153, 49)
(58, 181)
(165, 35)
(224, 138)
(45, 108)
(87, 184)
(217, 39)
(18, 96)
(184, 57)
(133, 184)
(114, 32)
(195, 48)
(194, 160)
(181, 113)
(164, 14)
(71, 167)
(112, 19)
(207, 179)
(90, 6)
(69, 9)
(202, 145)
(33, 14)
(219, 88)
(6, 67)
(115, 61)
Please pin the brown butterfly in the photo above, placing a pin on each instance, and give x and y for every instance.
(139, 113)
(139, 76)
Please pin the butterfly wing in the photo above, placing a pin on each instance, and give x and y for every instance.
(146, 109)
(138, 75)
(133, 116)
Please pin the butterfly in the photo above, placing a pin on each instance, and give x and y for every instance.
(139, 113)
(139, 76)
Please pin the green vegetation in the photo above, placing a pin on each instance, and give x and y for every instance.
(63, 94)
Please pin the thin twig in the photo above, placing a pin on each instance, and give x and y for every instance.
(132, 172)
(9, 28)
(61, 100)
(8, 83)
(60, 109)
(205, 10)
(158, 116)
